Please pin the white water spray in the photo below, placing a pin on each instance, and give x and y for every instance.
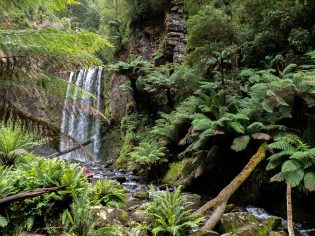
(77, 122)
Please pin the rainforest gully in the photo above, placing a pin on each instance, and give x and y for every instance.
(157, 117)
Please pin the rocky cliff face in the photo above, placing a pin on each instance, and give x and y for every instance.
(166, 30)
(176, 30)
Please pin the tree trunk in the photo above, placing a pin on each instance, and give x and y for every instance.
(221, 200)
(80, 145)
(289, 211)
(30, 194)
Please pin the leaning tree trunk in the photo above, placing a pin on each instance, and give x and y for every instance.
(221, 200)
(289, 211)
(30, 194)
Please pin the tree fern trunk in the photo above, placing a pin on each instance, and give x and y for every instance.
(221, 200)
(289, 211)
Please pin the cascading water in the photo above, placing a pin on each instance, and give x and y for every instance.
(78, 123)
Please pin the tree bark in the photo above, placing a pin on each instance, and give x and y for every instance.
(30, 194)
(221, 200)
(289, 211)
(80, 145)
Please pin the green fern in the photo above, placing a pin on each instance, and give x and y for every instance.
(295, 158)
(108, 193)
(14, 143)
(171, 213)
(147, 154)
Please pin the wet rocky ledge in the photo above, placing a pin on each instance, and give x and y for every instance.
(236, 221)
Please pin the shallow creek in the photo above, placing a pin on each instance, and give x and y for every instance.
(133, 183)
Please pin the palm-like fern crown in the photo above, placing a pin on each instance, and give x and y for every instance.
(296, 160)
(251, 112)
(148, 153)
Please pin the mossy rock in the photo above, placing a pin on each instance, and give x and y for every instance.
(113, 216)
(274, 223)
(143, 195)
(174, 174)
(231, 222)
(252, 230)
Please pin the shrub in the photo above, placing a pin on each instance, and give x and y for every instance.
(108, 193)
(147, 154)
(171, 214)
(14, 143)
(300, 40)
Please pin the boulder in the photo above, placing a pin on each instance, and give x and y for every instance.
(274, 223)
(104, 216)
(142, 194)
(251, 230)
(230, 222)
(139, 216)
(120, 179)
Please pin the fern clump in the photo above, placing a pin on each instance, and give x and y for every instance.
(147, 155)
(14, 143)
(171, 214)
(108, 193)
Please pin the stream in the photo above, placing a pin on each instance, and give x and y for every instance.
(133, 183)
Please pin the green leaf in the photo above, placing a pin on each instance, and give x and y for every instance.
(277, 178)
(267, 106)
(309, 181)
(290, 165)
(293, 178)
(240, 143)
(238, 127)
(3, 221)
(30, 222)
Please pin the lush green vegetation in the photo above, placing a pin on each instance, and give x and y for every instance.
(171, 214)
(69, 206)
(248, 79)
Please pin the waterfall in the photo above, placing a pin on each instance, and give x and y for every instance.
(77, 122)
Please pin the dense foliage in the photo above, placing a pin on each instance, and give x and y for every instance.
(248, 78)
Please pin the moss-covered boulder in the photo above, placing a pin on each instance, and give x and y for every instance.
(274, 223)
(112, 216)
(174, 174)
(245, 224)
(252, 230)
(139, 216)
(231, 222)
(142, 195)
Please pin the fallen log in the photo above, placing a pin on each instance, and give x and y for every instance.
(80, 145)
(219, 203)
(30, 194)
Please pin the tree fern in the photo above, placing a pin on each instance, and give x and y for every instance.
(148, 154)
(295, 159)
